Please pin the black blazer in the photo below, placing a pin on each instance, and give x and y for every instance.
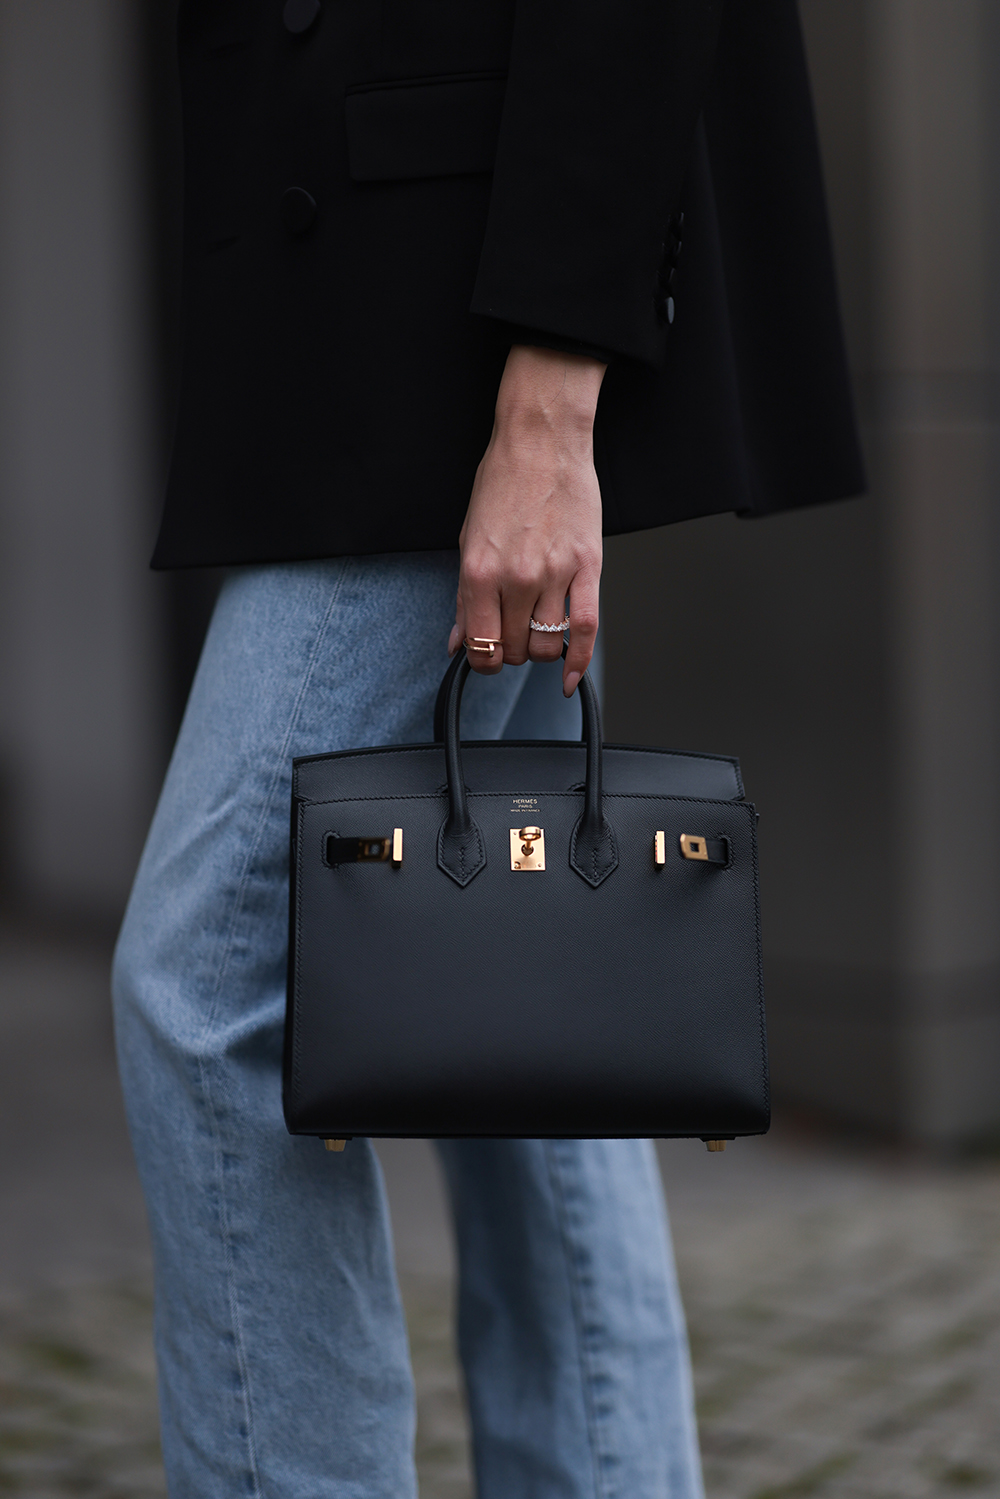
(381, 195)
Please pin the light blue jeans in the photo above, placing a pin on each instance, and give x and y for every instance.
(283, 1362)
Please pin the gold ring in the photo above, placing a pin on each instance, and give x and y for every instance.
(482, 644)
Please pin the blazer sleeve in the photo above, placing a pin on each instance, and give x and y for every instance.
(602, 101)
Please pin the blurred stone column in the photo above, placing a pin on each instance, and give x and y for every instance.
(849, 656)
(935, 68)
(80, 741)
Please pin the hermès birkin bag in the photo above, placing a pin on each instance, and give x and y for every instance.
(523, 939)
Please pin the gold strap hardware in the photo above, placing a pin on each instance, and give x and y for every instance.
(364, 850)
(339, 1145)
(716, 1144)
(660, 848)
(694, 846)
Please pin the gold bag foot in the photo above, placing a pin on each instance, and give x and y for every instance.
(335, 1144)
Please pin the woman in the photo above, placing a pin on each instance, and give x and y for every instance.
(433, 250)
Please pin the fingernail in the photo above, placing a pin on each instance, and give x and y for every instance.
(453, 640)
(569, 685)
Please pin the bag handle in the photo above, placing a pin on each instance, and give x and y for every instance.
(593, 851)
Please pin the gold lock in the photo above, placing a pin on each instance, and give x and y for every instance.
(527, 848)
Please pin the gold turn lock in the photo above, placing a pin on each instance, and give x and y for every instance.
(693, 846)
(527, 848)
(373, 850)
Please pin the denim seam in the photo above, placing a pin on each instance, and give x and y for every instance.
(578, 1296)
(234, 1308)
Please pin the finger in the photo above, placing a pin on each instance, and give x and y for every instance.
(482, 622)
(515, 614)
(458, 628)
(583, 616)
(550, 609)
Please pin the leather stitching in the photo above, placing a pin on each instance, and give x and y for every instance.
(600, 873)
(464, 876)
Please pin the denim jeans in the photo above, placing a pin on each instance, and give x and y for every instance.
(282, 1353)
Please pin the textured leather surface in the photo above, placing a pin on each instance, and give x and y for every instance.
(523, 1003)
(418, 769)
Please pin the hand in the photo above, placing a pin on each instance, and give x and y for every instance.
(532, 533)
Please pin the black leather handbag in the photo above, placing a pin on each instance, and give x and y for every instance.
(523, 939)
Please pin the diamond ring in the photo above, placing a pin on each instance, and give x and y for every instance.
(549, 629)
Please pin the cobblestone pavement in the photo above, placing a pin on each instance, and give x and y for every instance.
(843, 1302)
(77, 1395)
(851, 1351)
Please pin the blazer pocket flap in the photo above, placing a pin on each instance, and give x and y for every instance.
(426, 127)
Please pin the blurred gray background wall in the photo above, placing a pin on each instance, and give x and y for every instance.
(853, 664)
(80, 718)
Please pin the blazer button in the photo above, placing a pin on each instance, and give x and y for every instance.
(299, 15)
(298, 210)
(664, 308)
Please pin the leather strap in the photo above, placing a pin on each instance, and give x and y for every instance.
(461, 851)
(717, 850)
(593, 850)
(441, 701)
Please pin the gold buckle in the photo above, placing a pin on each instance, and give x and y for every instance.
(694, 846)
(364, 850)
(527, 848)
(660, 848)
(337, 850)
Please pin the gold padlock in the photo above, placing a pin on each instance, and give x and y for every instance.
(527, 848)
